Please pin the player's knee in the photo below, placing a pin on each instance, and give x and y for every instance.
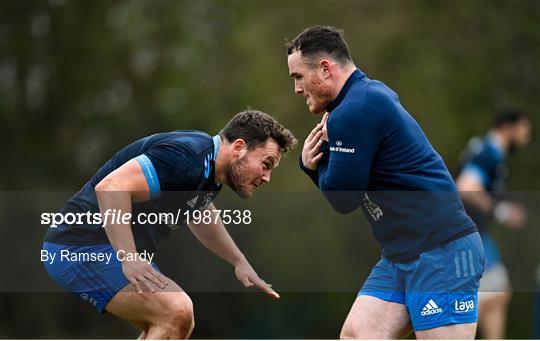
(351, 331)
(179, 319)
(348, 332)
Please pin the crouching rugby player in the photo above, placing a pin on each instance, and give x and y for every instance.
(189, 165)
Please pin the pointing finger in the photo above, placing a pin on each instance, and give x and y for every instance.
(265, 287)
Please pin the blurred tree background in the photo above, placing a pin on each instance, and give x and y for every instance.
(81, 79)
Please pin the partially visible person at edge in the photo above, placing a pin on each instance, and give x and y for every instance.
(369, 152)
(184, 169)
(481, 184)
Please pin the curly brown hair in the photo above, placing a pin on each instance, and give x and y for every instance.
(255, 128)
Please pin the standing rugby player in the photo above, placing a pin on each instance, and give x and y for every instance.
(369, 152)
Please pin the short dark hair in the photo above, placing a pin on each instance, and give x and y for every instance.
(508, 117)
(255, 128)
(317, 40)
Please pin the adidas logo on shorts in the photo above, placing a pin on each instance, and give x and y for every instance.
(431, 308)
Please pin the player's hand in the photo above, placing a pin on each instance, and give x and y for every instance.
(249, 278)
(324, 129)
(311, 154)
(143, 276)
(511, 214)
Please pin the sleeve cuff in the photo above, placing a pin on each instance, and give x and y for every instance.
(150, 175)
(313, 174)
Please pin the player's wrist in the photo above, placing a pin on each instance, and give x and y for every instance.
(304, 166)
(239, 260)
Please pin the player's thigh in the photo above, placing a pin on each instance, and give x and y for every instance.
(373, 318)
(464, 331)
(144, 309)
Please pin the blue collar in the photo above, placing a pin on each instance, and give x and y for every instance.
(492, 141)
(217, 141)
(208, 161)
(357, 74)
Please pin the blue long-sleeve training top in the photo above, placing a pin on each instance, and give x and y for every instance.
(179, 167)
(379, 159)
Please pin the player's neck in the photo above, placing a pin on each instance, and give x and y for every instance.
(342, 78)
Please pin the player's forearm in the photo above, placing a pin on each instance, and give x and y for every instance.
(473, 192)
(478, 199)
(214, 236)
(120, 235)
(341, 189)
(313, 174)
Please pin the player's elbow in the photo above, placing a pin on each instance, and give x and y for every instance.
(343, 197)
(104, 185)
(343, 202)
(107, 185)
(344, 209)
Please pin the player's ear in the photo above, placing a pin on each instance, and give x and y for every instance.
(238, 148)
(325, 67)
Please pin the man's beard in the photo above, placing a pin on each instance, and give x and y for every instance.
(324, 98)
(235, 176)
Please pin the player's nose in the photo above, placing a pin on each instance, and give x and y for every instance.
(266, 176)
(298, 88)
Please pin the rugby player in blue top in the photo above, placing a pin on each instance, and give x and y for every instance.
(180, 170)
(369, 152)
(481, 184)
